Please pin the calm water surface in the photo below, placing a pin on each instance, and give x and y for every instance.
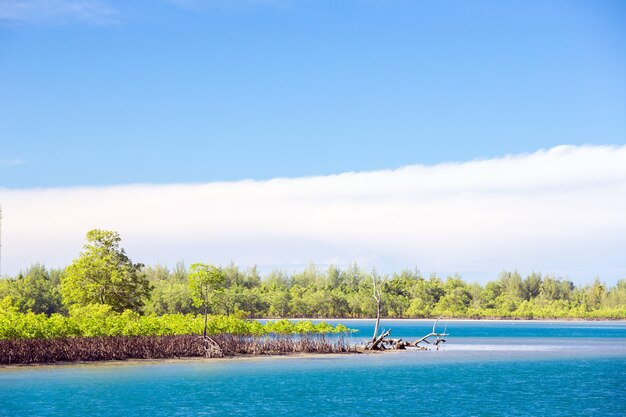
(485, 369)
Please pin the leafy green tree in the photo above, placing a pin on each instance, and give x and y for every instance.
(298, 304)
(456, 300)
(33, 290)
(617, 295)
(104, 274)
(596, 293)
(425, 294)
(511, 284)
(556, 289)
(278, 299)
(490, 294)
(169, 297)
(275, 289)
(179, 273)
(332, 292)
(352, 277)
(156, 273)
(338, 303)
(531, 287)
(252, 278)
(334, 278)
(361, 303)
(238, 299)
(205, 282)
(232, 275)
(309, 277)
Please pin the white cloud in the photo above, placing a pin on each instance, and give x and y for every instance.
(559, 211)
(57, 11)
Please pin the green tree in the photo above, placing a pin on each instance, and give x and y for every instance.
(456, 299)
(205, 281)
(596, 293)
(511, 284)
(617, 295)
(490, 294)
(169, 297)
(34, 291)
(531, 286)
(299, 302)
(104, 274)
(156, 273)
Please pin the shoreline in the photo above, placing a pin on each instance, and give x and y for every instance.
(121, 348)
(446, 319)
(113, 350)
(190, 359)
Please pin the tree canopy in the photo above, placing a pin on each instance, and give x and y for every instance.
(104, 274)
(35, 289)
(205, 280)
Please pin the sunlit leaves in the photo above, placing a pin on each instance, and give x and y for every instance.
(100, 320)
(103, 274)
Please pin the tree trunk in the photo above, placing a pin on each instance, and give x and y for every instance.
(377, 319)
(377, 297)
(377, 343)
(205, 321)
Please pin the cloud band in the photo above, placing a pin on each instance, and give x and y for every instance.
(558, 211)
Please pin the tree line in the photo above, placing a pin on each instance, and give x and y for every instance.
(103, 274)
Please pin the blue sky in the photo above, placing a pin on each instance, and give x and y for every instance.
(107, 92)
(274, 132)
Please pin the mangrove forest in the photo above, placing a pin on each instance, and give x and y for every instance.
(104, 275)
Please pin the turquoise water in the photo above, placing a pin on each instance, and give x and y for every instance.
(528, 369)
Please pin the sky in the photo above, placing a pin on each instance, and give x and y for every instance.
(278, 132)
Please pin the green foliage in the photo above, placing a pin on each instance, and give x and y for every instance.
(169, 297)
(205, 281)
(104, 274)
(170, 291)
(101, 320)
(34, 290)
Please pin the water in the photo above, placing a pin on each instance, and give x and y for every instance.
(485, 369)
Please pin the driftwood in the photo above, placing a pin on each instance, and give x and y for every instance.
(383, 342)
(377, 343)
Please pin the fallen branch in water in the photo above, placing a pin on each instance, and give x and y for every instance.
(383, 342)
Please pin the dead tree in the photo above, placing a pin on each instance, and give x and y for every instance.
(383, 342)
(377, 284)
(378, 343)
(440, 337)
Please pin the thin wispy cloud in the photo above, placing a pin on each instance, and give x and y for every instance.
(12, 162)
(558, 211)
(199, 5)
(57, 11)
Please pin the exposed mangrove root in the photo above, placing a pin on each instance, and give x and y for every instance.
(31, 351)
(211, 348)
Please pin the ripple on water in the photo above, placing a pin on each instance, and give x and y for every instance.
(513, 376)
